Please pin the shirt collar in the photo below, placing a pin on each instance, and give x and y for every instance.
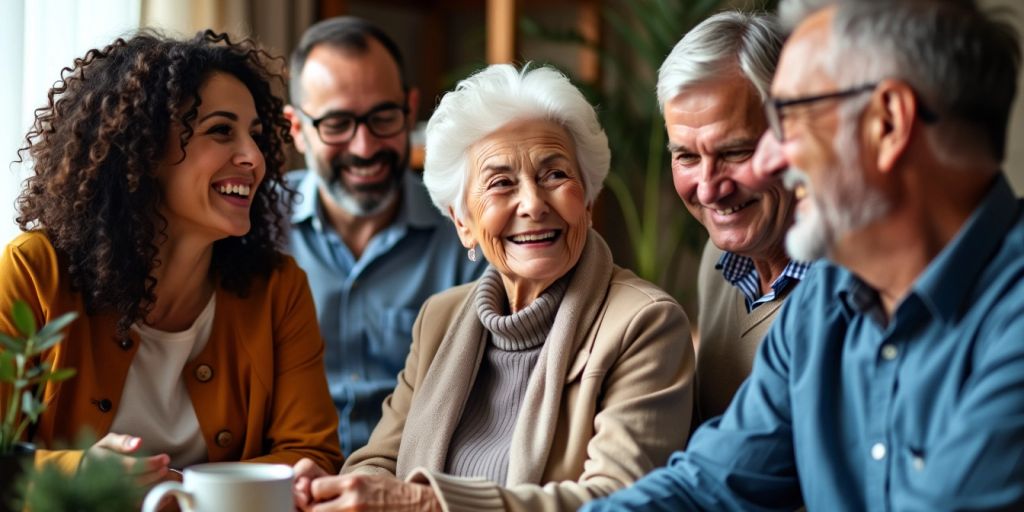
(740, 272)
(305, 204)
(949, 279)
(416, 209)
(946, 283)
(734, 267)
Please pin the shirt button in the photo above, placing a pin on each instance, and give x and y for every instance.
(104, 405)
(126, 344)
(889, 352)
(204, 372)
(224, 438)
(918, 462)
(878, 451)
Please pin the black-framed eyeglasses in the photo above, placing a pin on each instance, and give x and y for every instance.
(384, 120)
(773, 106)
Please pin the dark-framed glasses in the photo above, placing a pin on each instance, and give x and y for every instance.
(773, 106)
(384, 120)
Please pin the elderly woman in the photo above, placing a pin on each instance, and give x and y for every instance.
(555, 378)
(153, 213)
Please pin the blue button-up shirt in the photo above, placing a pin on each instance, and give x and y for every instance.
(844, 411)
(366, 307)
(740, 272)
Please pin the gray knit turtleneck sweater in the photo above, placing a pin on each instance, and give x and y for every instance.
(480, 445)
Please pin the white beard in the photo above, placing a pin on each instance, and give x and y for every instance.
(844, 204)
(808, 238)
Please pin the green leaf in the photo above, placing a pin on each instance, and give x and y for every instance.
(43, 344)
(10, 343)
(6, 367)
(635, 40)
(61, 374)
(55, 326)
(24, 319)
(34, 372)
(30, 406)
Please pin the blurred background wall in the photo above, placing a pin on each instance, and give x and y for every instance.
(611, 48)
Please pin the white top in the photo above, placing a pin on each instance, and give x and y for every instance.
(155, 404)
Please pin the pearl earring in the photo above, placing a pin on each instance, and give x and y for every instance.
(471, 253)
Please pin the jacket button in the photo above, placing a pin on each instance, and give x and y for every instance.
(224, 438)
(104, 405)
(204, 372)
(126, 344)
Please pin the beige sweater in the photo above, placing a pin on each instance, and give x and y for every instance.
(609, 399)
(729, 337)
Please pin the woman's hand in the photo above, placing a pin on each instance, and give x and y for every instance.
(305, 472)
(370, 493)
(147, 470)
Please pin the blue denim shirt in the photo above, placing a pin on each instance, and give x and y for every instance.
(366, 307)
(844, 411)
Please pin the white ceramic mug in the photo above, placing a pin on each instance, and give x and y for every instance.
(228, 487)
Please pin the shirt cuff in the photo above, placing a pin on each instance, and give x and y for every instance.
(458, 494)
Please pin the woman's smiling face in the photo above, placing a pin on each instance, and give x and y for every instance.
(209, 190)
(526, 204)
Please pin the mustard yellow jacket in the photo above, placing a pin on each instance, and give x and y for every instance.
(258, 387)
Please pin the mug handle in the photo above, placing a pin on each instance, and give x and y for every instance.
(153, 498)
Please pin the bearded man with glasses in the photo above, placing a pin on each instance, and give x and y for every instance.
(363, 227)
(893, 377)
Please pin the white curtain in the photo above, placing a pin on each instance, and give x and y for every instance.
(39, 38)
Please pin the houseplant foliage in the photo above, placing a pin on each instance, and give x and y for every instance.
(637, 37)
(105, 487)
(22, 376)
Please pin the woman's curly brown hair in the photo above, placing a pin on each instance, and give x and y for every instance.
(95, 147)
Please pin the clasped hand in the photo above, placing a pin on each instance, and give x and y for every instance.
(146, 470)
(316, 491)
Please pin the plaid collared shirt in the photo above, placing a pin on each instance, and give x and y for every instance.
(741, 273)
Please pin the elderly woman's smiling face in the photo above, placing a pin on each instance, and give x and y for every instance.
(526, 205)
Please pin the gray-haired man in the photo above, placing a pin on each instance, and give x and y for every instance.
(893, 377)
(712, 88)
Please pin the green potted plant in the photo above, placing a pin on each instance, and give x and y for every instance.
(22, 379)
(104, 487)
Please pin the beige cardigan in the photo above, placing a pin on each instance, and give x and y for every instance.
(729, 337)
(608, 401)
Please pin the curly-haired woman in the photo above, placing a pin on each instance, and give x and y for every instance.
(153, 213)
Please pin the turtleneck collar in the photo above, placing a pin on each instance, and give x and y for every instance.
(524, 329)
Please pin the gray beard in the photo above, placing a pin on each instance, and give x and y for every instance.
(845, 204)
(367, 206)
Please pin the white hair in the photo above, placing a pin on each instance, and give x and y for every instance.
(490, 99)
(727, 41)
